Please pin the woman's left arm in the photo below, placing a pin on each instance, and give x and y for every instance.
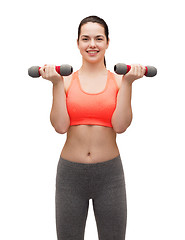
(122, 116)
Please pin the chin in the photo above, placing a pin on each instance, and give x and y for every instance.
(95, 60)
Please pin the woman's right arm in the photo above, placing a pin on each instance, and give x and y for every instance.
(59, 117)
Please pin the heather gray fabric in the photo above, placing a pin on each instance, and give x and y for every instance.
(102, 182)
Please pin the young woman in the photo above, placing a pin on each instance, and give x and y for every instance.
(92, 105)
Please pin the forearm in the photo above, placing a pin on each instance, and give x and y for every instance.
(59, 115)
(122, 116)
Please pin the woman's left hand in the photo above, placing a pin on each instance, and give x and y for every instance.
(137, 71)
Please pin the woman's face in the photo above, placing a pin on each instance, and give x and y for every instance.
(92, 42)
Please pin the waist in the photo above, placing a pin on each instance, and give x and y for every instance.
(91, 135)
(113, 161)
(92, 121)
(90, 144)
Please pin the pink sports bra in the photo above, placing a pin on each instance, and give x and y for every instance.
(91, 108)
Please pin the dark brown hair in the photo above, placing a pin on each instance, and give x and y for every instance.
(94, 19)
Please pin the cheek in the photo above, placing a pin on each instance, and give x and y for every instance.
(83, 50)
(102, 49)
(84, 46)
(102, 46)
(80, 44)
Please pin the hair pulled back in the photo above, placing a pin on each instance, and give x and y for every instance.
(94, 19)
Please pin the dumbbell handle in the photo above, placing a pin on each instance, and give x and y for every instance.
(63, 70)
(122, 68)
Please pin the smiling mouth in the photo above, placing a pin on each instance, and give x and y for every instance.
(92, 51)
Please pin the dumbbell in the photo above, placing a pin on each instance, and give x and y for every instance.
(63, 70)
(122, 69)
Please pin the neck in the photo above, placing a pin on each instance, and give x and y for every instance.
(93, 68)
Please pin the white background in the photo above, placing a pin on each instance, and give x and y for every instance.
(143, 32)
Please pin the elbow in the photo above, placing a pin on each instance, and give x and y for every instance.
(119, 131)
(60, 131)
(121, 125)
(60, 128)
(122, 129)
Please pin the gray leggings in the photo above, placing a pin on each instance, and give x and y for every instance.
(102, 182)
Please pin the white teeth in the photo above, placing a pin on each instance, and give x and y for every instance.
(92, 51)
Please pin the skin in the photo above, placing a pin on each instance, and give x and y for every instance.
(92, 38)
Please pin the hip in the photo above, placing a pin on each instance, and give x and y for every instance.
(89, 154)
(90, 179)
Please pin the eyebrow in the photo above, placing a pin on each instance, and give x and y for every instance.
(96, 36)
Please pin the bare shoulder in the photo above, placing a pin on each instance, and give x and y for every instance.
(118, 79)
(67, 81)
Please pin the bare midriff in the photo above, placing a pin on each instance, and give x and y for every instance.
(90, 144)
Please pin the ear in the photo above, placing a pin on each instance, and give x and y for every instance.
(108, 42)
(77, 43)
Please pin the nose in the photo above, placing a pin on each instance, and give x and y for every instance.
(92, 43)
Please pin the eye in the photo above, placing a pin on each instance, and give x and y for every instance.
(99, 39)
(84, 39)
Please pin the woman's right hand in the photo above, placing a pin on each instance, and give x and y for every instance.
(48, 72)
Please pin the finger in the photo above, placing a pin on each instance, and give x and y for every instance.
(133, 68)
(42, 73)
(139, 70)
(143, 69)
(43, 68)
(136, 69)
(47, 70)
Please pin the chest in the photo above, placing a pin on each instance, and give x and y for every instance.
(93, 85)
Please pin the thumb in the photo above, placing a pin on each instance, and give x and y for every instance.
(41, 72)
